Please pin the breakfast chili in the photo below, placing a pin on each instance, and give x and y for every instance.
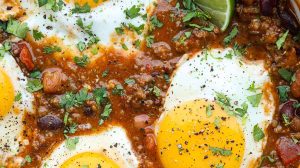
(135, 85)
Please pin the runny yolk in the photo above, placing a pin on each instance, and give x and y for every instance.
(200, 134)
(6, 93)
(91, 3)
(89, 160)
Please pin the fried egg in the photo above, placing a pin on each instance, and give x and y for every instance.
(101, 21)
(110, 148)
(15, 101)
(216, 113)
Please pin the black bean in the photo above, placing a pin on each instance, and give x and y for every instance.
(266, 7)
(298, 52)
(288, 109)
(50, 122)
(87, 110)
(289, 22)
(297, 112)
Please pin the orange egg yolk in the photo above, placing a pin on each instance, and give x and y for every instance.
(199, 134)
(91, 3)
(6, 93)
(89, 160)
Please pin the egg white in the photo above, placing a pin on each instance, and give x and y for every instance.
(11, 125)
(201, 75)
(105, 18)
(112, 142)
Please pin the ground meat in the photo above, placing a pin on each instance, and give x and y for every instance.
(246, 13)
(162, 50)
(54, 80)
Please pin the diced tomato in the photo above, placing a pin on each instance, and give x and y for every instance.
(287, 150)
(26, 57)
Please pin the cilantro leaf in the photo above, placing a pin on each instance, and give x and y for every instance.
(106, 112)
(118, 90)
(283, 93)
(18, 97)
(156, 91)
(100, 95)
(37, 35)
(255, 99)
(82, 61)
(71, 143)
(208, 111)
(155, 23)
(231, 36)
(51, 49)
(4, 48)
(16, 28)
(81, 9)
(281, 40)
(149, 41)
(81, 46)
(34, 85)
(133, 12)
(220, 151)
(129, 81)
(285, 74)
(258, 134)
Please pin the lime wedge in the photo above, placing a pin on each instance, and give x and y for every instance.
(221, 11)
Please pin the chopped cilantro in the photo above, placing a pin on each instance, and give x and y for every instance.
(106, 112)
(129, 81)
(231, 36)
(118, 90)
(286, 120)
(281, 40)
(239, 50)
(28, 159)
(208, 111)
(71, 143)
(34, 85)
(156, 91)
(220, 151)
(138, 29)
(81, 46)
(133, 12)
(105, 73)
(37, 35)
(222, 99)
(82, 61)
(81, 9)
(252, 87)
(70, 99)
(242, 111)
(93, 40)
(86, 28)
(255, 99)
(283, 93)
(119, 30)
(124, 46)
(149, 41)
(18, 97)
(100, 95)
(4, 48)
(137, 43)
(195, 14)
(155, 23)
(258, 134)
(217, 122)
(285, 74)
(51, 49)
(16, 28)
